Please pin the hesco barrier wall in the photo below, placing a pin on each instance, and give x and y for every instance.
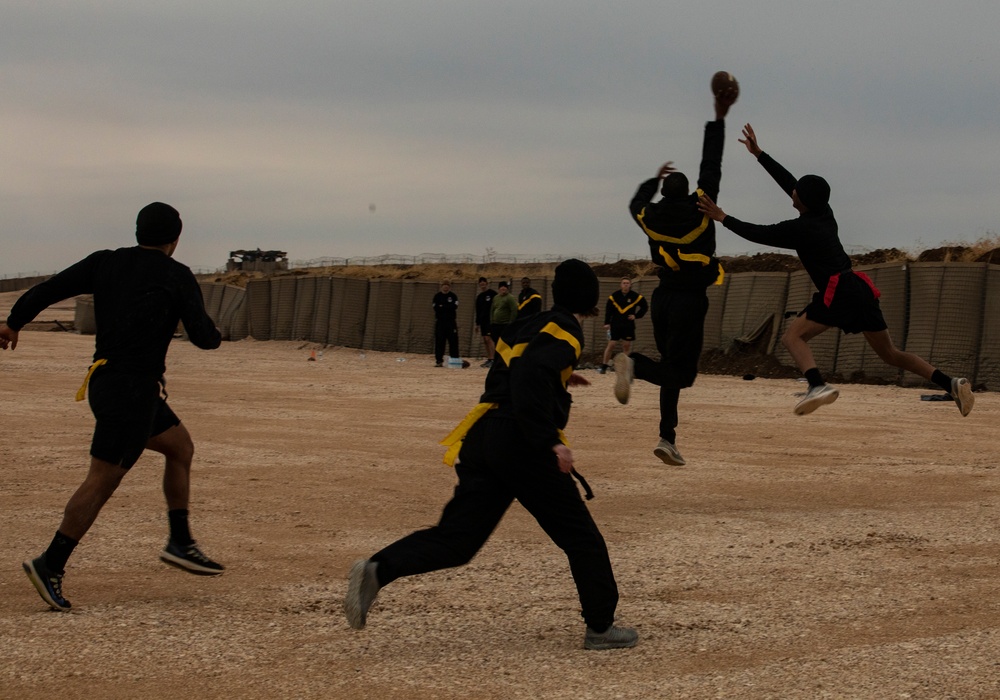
(948, 313)
(16, 284)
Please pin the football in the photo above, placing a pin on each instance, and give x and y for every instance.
(722, 81)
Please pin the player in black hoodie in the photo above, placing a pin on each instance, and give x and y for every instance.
(511, 446)
(844, 298)
(682, 243)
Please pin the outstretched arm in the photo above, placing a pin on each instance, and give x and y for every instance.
(710, 208)
(785, 179)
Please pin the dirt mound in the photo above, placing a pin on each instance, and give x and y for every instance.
(761, 262)
(990, 256)
(883, 255)
(943, 254)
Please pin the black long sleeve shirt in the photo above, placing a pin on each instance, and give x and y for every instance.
(534, 360)
(140, 294)
(529, 302)
(620, 306)
(813, 235)
(681, 238)
(445, 307)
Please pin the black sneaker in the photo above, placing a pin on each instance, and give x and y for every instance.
(48, 583)
(362, 589)
(614, 637)
(190, 559)
(602, 369)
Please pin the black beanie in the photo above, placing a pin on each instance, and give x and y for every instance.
(814, 192)
(575, 286)
(157, 224)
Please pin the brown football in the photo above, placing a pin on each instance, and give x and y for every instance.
(722, 81)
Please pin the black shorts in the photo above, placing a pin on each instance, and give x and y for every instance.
(130, 409)
(850, 303)
(625, 331)
(484, 329)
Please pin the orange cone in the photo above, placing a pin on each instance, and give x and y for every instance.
(312, 356)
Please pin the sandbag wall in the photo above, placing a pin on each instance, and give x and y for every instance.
(948, 313)
(16, 284)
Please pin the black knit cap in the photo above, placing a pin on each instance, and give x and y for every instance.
(157, 224)
(575, 286)
(814, 192)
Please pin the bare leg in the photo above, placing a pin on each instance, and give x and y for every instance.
(881, 343)
(608, 351)
(796, 339)
(490, 348)
(175, 444)
(626, 346)
(84, 505)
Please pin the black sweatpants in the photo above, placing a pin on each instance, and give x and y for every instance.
(445, 331)
(679, 331)
(494, 468)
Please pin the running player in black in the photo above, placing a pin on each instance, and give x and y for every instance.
(844, 298)
(140, 294)
(511, 446)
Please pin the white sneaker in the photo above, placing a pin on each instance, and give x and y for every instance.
(816, 396)
(961, 391)
(624, 373)
(668, 454)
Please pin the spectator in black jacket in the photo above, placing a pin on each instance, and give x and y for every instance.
(445, 323)
(844, 298)
(140, 294)
(623, 307)
(511, 446)
(682, 243)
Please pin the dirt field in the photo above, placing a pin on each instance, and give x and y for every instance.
(852, 553)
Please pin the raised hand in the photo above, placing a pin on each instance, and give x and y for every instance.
(724, 100)
(750, 141)
(666, 169)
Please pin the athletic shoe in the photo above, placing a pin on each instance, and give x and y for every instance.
(47, 582)
(362, 589)
(439, 364)
(487, 364)
(190, 559)
(602, 369)
(624, 372)
(961, 391)
(816, 396)
(668, 454)
(614, 637)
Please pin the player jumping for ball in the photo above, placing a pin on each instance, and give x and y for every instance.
(682, 245)
(844, 298)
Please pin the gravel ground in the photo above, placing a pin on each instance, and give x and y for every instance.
(847, 554)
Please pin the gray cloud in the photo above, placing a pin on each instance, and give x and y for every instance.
(520, 126)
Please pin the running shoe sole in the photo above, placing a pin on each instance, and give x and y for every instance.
(38, 581)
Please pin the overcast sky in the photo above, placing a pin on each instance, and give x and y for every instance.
(523, 127)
